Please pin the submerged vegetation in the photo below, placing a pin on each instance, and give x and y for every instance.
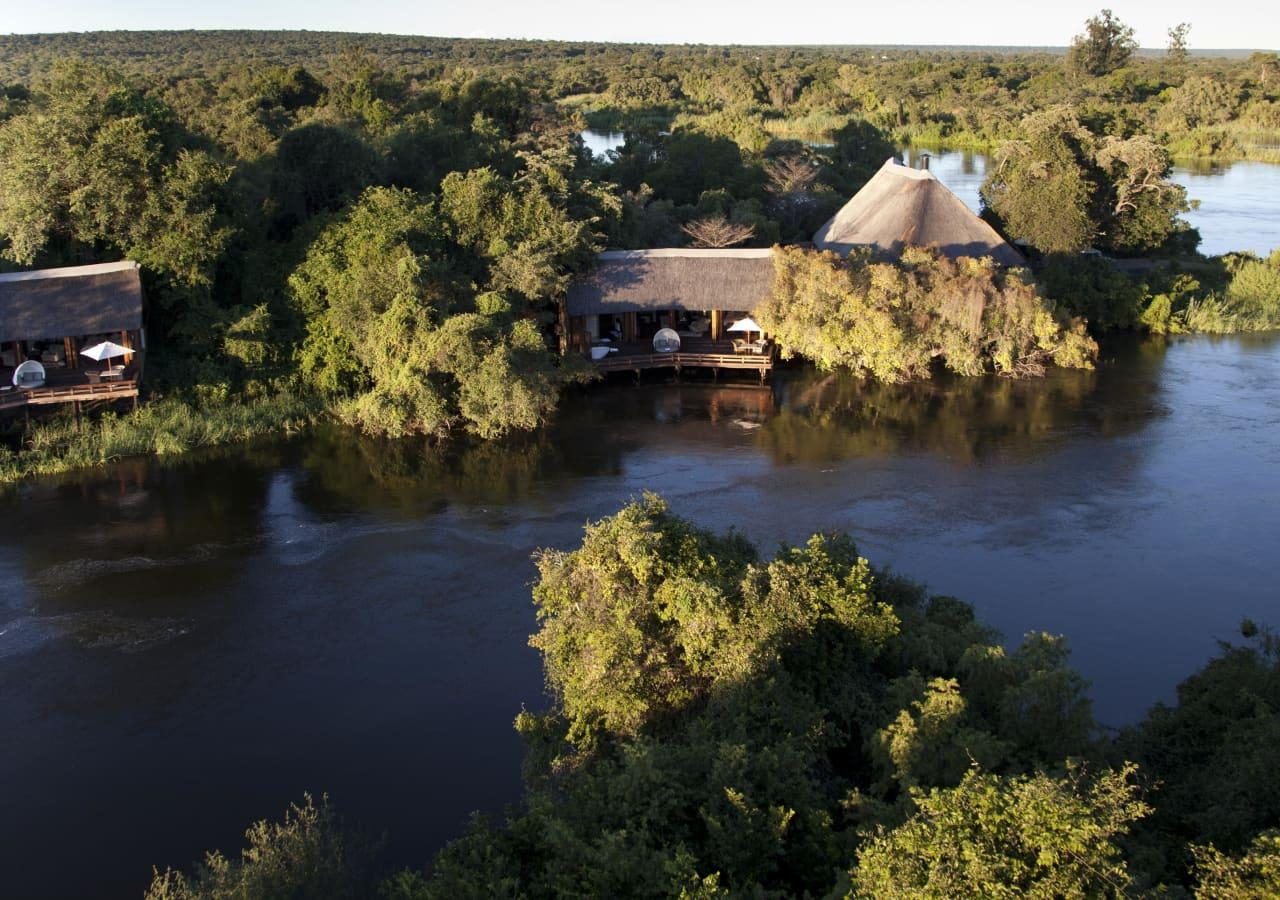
(724, 724)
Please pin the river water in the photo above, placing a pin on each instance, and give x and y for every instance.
(187, 647)
(1236, 203)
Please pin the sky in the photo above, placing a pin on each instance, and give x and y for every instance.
(1221, 25)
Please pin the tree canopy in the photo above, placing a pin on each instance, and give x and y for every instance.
(1105, 45)
(893, 320)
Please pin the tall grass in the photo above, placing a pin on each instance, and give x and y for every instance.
(163, 427)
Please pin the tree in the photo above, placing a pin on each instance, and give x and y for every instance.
(892, 320)
(401, 343)
(1213, 754)
(790, 174)
(1178, 40)
(716, 717)
(717, 231)
(306, 855)
(1062, 189)
(1039, 188)
(1253, 876)
(1106, 45)
(1025, 836)
(94, 164)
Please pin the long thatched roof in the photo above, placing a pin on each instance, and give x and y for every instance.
(901, 206)
(48, 304)
(679, 278)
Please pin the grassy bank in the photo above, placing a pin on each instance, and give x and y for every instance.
(164, 427)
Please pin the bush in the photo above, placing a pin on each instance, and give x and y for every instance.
(891, 320)
(306, 855)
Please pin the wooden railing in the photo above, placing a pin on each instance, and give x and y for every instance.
(626, 362)
(68, 393)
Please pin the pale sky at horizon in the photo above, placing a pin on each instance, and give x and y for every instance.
(1233, 23)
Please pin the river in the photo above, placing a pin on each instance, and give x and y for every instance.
(186, 647)
(1235, 203)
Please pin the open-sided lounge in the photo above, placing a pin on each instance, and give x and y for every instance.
(613, 313)
(50, 317)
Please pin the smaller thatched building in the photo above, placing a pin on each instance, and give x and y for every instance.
(630, 294)
(901, 206)
(49, 316)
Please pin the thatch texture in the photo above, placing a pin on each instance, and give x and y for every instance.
(684, 279)
(49, 304)
(901, 206)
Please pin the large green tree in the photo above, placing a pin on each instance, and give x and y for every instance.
(400, 336)
(1061, 188)
(892, 320)
(725, 723)
(94, 166)
(1106, 45)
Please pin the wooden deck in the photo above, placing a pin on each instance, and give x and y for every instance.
(693, 354)
(66, 386)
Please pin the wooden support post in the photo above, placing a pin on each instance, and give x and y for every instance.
(562, 316)
(76, 405)
(717, 324)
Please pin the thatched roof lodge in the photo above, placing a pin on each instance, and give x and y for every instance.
(48, 316)
(901, 206)
(615, 310)
(685, 279)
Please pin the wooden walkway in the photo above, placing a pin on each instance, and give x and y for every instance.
(68, 393)
(714, 355)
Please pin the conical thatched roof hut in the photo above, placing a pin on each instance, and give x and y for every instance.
(901, 206)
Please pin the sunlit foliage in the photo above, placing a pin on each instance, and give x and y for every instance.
(892, 320)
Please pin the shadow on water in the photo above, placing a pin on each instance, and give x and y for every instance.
(828, 417)
(92, 543)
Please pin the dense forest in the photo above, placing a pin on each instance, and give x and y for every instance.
(378, 228)
(729, 725)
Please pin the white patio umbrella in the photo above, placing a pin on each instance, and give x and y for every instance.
(105, 350)
(746, 324)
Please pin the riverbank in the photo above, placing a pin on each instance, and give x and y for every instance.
(160, 427)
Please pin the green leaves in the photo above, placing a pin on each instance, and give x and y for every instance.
(1061, 188)
(892, 320)
(992, 837)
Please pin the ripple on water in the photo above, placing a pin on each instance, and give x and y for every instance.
(91, 630)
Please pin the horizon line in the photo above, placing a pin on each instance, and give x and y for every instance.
(881, 45)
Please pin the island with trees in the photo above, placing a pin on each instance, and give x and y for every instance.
(727, 724)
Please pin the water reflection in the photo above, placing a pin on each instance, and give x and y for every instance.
(830, 417)
(601, 142)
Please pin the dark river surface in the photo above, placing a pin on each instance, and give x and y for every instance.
(187, 647)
